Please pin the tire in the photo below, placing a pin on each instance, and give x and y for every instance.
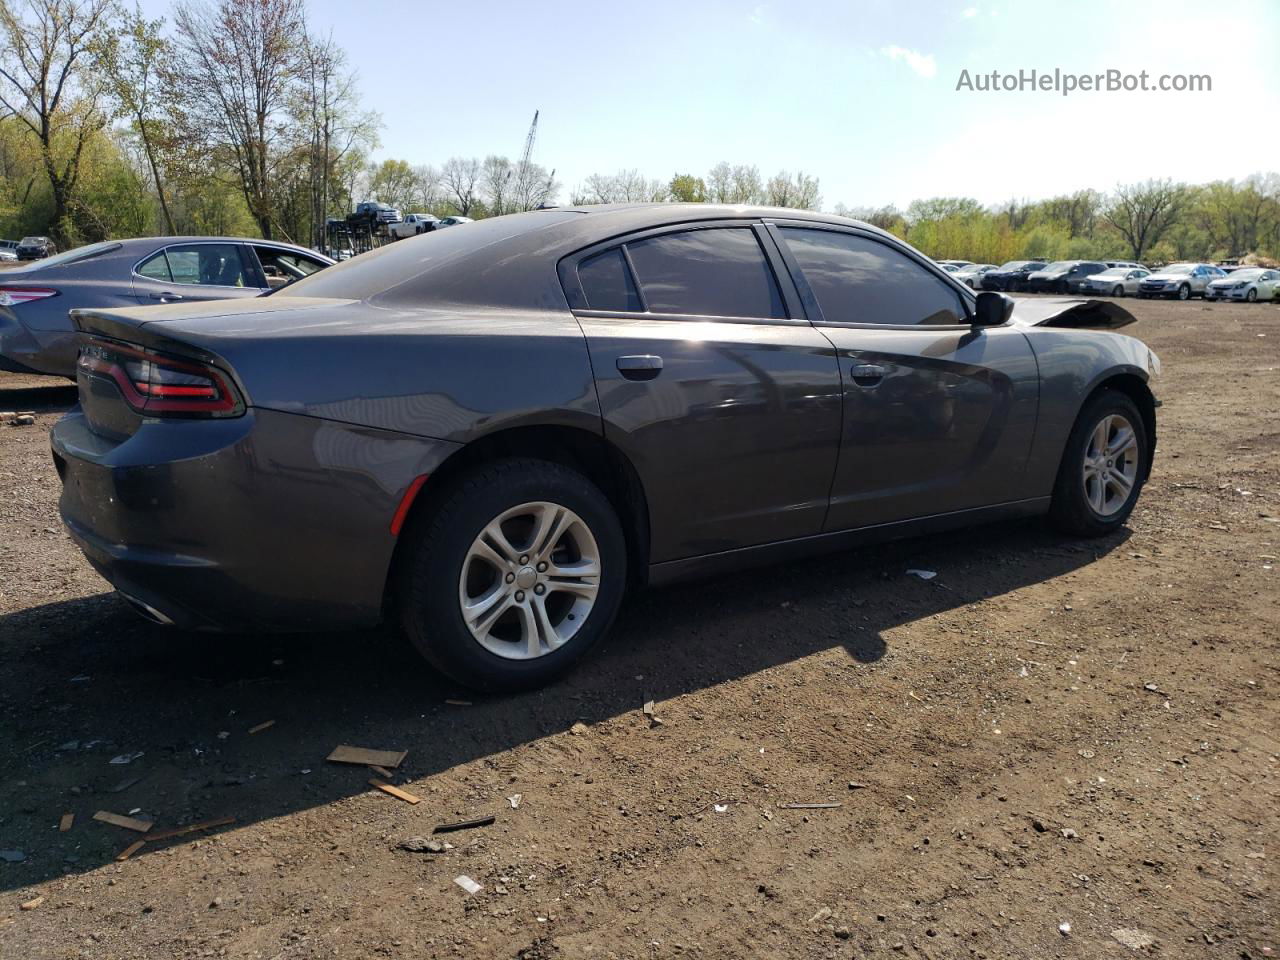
(431, 589)
(1252, 295)
(1118, 291)
(1184, 292)
(1072, 510)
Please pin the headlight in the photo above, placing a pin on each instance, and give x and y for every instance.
(1239, 286)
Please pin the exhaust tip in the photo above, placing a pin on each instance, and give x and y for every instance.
(146, 611)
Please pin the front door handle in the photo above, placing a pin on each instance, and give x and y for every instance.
(640, 367)
(867, 374)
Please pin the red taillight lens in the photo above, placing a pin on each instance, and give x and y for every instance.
(13, 296)
(161, 385)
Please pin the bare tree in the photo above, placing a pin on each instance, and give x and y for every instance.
(496, 184)
(800, 193)
(459, 177)
(239, 60)
(1143, 212)
(131, 61)
(45, 49)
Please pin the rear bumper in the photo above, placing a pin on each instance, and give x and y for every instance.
(23, 350)
(270, 521)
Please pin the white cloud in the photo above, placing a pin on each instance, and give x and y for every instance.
(921, 63)
(757, 14)
(970, 12)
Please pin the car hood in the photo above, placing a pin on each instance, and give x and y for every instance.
(1166, 277)
(1071, 312)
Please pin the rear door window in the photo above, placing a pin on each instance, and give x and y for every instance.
(719, 272)
(208, 264)
(155, 267)
(606, 282)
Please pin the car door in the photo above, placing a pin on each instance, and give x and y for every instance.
(938, 414)
(724, 399)
(197, 271)
(1133, 278)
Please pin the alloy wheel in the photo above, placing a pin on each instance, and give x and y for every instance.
(1110, 465)
(529, 580)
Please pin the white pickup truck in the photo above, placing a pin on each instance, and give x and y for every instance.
(412, 225)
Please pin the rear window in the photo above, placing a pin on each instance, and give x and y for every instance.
(379, 270)
(76, 255)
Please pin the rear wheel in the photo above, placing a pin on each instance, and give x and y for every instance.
(515, 574)
(1103, 467)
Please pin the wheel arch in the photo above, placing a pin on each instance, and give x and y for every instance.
(1132, 383)
(589, 453)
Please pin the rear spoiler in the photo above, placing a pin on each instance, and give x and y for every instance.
(1081, 314)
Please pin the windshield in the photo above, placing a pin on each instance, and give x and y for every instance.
(74, 256)
(1179, 268)
(31, 241)
(1015, 265)
(1245, 274)
(1113, 272)
(1059, 266)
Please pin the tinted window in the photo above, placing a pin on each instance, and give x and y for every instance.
(606, 281)
(859, 280)
(155, 268)
(720, 273)
(210, 264)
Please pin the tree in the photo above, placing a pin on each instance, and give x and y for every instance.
(131, 61)
(459, 178)
(394, 182)
(800, 193)
(238, 62)
(45, 50)
(1143, 212)
(495, 184)
(686, 188)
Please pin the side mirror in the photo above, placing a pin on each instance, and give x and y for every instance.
(992, 309)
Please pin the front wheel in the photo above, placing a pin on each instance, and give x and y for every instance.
(1103, 467)
(518, 570)
(1252, 295)
(1184, 292)
(1118, 291)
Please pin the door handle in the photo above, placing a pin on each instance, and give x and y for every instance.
(166, 297)
(867, 374)
(640, 367)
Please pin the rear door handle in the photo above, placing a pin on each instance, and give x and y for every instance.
(867, 374)
(166, 297)
(640, 367)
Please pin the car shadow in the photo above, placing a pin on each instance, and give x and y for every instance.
(56, 395)
(87, 681)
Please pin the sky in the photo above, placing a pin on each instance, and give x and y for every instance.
(862, 95)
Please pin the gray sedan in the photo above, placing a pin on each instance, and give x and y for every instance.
(36, 335)
(1115, 281)
(490, 434)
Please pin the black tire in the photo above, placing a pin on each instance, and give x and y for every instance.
(1070, 511)
(1184, 292)
(1118, 291)
(1252, 295)
(428, 581)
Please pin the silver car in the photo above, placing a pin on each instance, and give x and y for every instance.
(1179, 280)
(1247, 283)
(1116, 281)
(971, 274)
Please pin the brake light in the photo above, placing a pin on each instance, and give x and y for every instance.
(12, 296)
(160, 385)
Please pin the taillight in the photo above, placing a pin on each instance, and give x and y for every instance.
(161, 385)
(12, 296)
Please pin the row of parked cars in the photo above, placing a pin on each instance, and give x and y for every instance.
(28, 248)
(1120, 278)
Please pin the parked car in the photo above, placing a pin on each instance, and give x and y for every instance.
(972, 274)
(1245, 283)
(1180, 280)
(494, 441)
(1115, 281)
(1126, 263)
(37, 336)
(412, 225)
(36, 248)
(951, 266)
(374, 215)
(1011, 276)
(453, 222)
(8, 250)
(1063, 276)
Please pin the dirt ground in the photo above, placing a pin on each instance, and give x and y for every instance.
(1049, 733)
